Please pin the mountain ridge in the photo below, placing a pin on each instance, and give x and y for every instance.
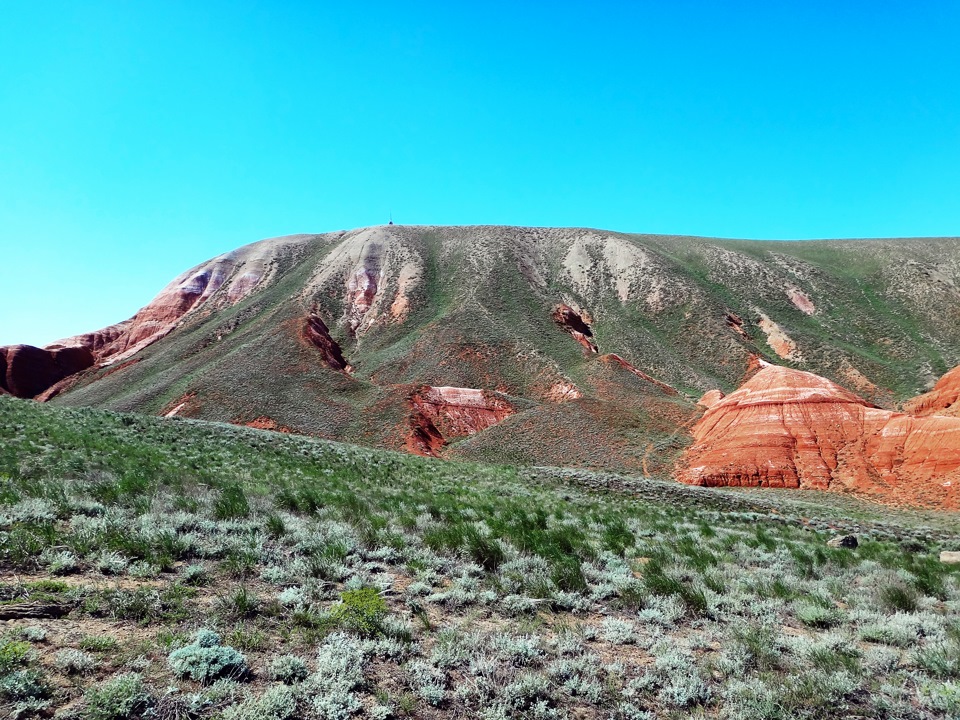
(338, 334)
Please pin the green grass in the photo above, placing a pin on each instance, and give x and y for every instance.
(450, 587)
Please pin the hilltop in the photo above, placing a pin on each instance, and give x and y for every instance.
(582, 347)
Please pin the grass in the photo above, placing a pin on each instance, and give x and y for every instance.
(364, 579)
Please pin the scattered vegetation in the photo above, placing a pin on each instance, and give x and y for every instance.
(228, 573)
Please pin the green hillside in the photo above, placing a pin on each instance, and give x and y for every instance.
(471, 307)
(182, 569)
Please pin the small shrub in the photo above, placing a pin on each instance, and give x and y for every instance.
(110, 563)
(75, 662)
(63, 562)
(362, 610)
(195, 575)
(617, 632)
(98, 643)
(288, 669)
(12, 654)
(205, 659)
(277, 703)
(339, 670)
(120, 698)
(231, 504)
(817, 616)
(23, 686)
(142, 569)
(33, 633)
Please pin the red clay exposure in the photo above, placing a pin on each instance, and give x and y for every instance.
(575, 324)
(440, 414)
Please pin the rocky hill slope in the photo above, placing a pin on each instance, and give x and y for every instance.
(549, 346)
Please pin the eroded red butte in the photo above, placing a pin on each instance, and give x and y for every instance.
(793, 429)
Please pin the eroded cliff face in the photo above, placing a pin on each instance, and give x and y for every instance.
(26, 371)
(316, 333)
(792, 429)
(441, 414)
(943, 399)
(577, 324)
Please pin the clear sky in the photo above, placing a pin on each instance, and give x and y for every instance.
(140, 138)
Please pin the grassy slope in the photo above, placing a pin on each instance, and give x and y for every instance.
(507, 593)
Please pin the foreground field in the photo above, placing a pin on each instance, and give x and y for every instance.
(177, 569)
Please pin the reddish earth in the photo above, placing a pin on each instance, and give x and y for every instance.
(178, 406)
(26, 371)
(793, 429)
(735, 323)
(40, 372)
(316, 333)
(575, 324)
(942, 400)
(264, 423)
(614, 358)
(710, 398)
(801, 300)
(361, 291)
(152, 322)
(440, 414)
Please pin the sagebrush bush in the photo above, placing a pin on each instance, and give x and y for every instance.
(75, 662)
(122, 697)
(205, 659)
(288, 669)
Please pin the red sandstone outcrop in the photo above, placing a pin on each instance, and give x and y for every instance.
(317, 334)
(735, 323)
(440, 414)
(801, 300)
(944, 399)
(27, 370)
(575, 324)
(710, 398)
(793, 429)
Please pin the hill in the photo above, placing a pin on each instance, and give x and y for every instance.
(173, 568)
(557, 346)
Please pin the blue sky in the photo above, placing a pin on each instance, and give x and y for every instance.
(138, 139)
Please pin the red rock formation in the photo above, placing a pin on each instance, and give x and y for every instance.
(789, 428)
(264, 423)
(801, 300)
(735, 323)
(29, 370)
(316, 333)
(710, 398)
(575, 324)
(614, 358)
(942, 400)
(440, 414)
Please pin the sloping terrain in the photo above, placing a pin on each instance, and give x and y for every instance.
(170, 568)
(598, 342)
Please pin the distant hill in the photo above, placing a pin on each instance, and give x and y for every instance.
(528, 345)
